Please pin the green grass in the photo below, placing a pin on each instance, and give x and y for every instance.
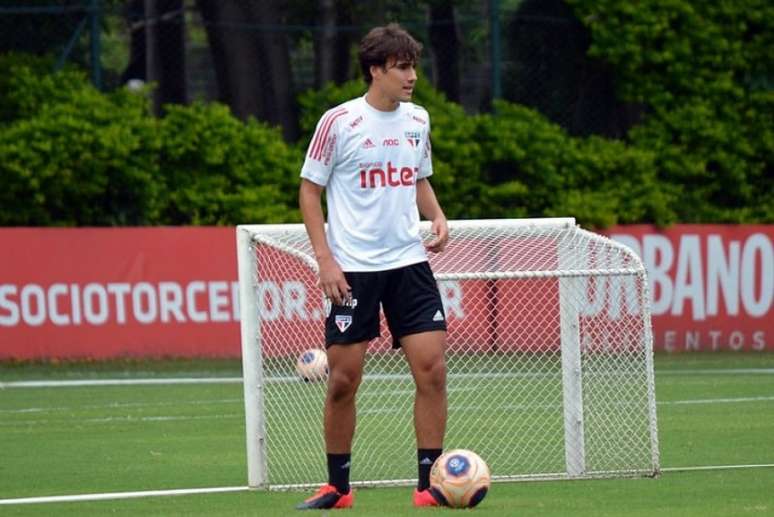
(76, 440)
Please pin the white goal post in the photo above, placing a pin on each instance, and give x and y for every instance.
(549, 358)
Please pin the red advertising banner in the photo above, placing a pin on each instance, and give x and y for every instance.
(711, 285)
(118, 292)
(107, 292)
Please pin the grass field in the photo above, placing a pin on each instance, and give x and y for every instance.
(714, 410)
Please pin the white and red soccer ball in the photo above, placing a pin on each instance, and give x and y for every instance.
(460, 478)
(312, 365)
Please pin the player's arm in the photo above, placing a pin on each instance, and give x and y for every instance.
(332, 280)
(431, 210)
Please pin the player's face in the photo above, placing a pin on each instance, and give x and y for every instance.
(396, 80)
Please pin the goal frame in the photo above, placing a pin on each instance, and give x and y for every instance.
(572, 389)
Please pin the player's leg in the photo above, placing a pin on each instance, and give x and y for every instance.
(416, 319)
(349, 327)
(425, 354)
(345, 370)
(345, 367)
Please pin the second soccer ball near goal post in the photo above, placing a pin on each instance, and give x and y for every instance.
(549, 353)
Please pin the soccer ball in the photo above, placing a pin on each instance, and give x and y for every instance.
(460, 477)
(312, 365)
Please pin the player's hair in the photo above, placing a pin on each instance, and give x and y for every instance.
(384, 43)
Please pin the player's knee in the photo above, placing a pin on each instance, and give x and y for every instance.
(342, 385)
(432, 376)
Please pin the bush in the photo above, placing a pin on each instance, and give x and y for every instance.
(78, 158)
(518, 164)
(219, 170)
(704, 70)
(70, 155)
(600, 182)
(73, 156)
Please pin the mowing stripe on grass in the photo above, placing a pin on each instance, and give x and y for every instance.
(717, 467)
(290, 378)
(715, 401)
(120, 382)
(718, 371)
(123, 405)
(366, 411)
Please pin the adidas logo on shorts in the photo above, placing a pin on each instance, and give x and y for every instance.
(438, 315)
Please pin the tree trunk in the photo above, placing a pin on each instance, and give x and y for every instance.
(445, 47)
(235, 56)
(325, 43)
(165, 51)
(252, 65)
(343, 42)
(332, 42)
(135, 16)
(278, 92)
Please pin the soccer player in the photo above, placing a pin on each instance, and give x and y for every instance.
(372, 156)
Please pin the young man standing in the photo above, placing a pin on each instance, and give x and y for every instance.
(372, 156)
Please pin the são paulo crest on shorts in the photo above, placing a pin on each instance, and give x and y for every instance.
(343, 322)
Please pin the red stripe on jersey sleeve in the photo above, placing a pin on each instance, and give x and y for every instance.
(315, 150)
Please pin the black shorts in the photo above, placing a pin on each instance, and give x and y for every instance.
(408, 295)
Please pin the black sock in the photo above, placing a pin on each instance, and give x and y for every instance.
(338, 471)
(425, 459)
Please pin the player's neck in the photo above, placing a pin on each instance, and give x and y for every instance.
(381, 102)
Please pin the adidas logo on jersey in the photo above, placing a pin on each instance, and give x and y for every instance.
(368, 144)
(438, 315)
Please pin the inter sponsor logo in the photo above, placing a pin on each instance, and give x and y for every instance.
(390, 142)
(391, 177)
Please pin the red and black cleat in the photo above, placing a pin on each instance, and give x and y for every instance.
(326, 498)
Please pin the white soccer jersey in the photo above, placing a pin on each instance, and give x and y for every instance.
(369, 162)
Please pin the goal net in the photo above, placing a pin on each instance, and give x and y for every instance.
(549, 358)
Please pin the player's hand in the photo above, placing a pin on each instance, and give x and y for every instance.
(440, 230)
(332, 282)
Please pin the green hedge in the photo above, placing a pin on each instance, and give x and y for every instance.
(518, 164)
(705, 73)
(73, 156)
(70, 155)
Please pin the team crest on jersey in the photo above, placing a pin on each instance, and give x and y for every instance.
(413, 138)
(343, 321)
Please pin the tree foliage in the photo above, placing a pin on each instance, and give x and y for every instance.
(70, 155)
(705, 72)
